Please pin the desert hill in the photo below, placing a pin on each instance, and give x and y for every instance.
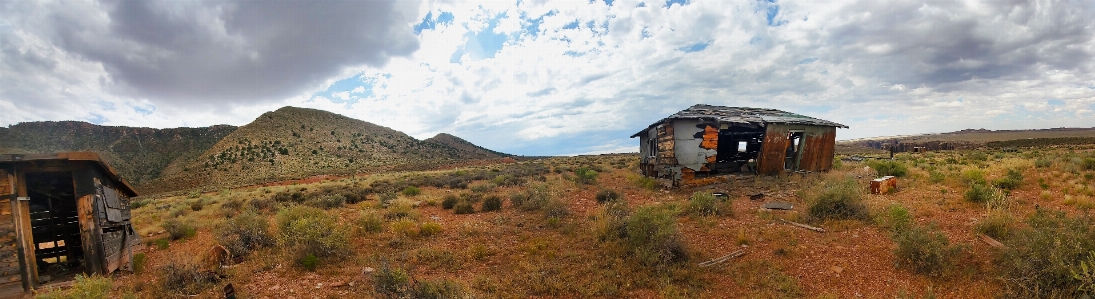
(287, 143)
(464, 146)
(294, 142)
(139, 154)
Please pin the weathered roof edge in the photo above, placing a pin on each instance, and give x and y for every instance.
(73, 156)
(805, 120)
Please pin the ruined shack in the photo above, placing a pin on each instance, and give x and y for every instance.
(706, 141)
(61, 214)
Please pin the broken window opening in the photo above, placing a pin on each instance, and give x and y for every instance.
(54, 220)
(738, 150)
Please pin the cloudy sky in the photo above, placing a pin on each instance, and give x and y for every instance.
(538, 77)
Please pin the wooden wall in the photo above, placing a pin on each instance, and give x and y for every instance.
(9, 261)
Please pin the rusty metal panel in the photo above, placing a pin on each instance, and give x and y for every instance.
(773, 150)
(819, 149)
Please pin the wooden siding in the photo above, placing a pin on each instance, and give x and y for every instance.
(9, 261)
(774, 150)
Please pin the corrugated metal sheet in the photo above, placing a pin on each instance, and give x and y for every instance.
(744, 115)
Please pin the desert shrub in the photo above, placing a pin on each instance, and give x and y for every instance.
(161, 244)
(607, 195)
(136, 204)
(997, 224)
(556, 209)
(936, 177)
(507, 180)
(94, 287)
(411, 191)
(895, 218)
(310, 262)
(184, 276)
(140, 260)
(289, 197)
(1043, 163)
(706, 204)
(887, 167)
(652, 236)
(925, 250)
(585, 175)
(973, 176)
(610, 222)
(178, 229)
(306, 230)
(491, 203)
(471, 197)
(261, 204)
(1012, 180)
(449, 201)
(1041, 257)
(369, 222)
(405, 228)
(327, 201)
(232, 204)
(243, 233)
(463, 207)
(437, 289)
(429, 229)
(197, 205)
(1088, 164)
(1085, 273)
(977, 156)
(482, 188)
(391, 282)
(840, 200)
(646, 182)
(532, 198)
(981, 193)
(401, 210)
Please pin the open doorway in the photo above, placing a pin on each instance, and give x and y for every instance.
(54, 224)
(794, 150)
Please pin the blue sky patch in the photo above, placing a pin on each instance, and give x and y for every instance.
(694, 48)
(677, 2)
(348, 85)
(144, 110)
(571, 25)
(641, 4)
(486, 43)
(808, 60)
(772, 13)
(429, 22)
(574, 54)
(1055, 102)
(96, 119)
(609, 2)
(755, 40)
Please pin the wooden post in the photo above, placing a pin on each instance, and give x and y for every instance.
(20, 214)
(89, 237)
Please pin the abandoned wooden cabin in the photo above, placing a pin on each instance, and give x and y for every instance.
(696, 145)
(61, 214)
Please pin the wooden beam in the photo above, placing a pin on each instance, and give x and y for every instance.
(20, 212)
(816, 229)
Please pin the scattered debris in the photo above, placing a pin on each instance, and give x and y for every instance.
(883, 185)
(992, 242)
(853, 158)
(229, 291)
(722, 259)
(778, 205)
(721, 196)
(758, 196)
(836, 269)
(816, 229)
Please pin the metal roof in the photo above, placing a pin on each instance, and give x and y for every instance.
(73, 156)
(743, 115)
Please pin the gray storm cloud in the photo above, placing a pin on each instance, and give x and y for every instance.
(212, 51)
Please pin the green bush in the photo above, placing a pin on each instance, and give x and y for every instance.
(607, 195)
(997, 224)
(197, 205)
(310, 262)
(244, 233)
(140, 260)
(306, 230)
(1011, 181)
(888, 167)
(1085, 273)
(981, 193)
(652, 236)
(1041, 257)
(839, 200)
(973, 176)
(585, 175)
(1088, 164)
(178, 229)
(706, 204)
(925, 250)
(411, 191)
(429, 229)
(449, 201)
(1043, 163)
(936, 177)
(556, 209)
(391, 282)
(895, 218)
(369, 222)
(646, 182)
(463, 207)
(437, 289)
(492, 203)
(94, 287)
(532, 198)
(184, 276)
(327, 201)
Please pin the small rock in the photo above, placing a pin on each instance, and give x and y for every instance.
(338, 284)
(836, 269)
(368, 270)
